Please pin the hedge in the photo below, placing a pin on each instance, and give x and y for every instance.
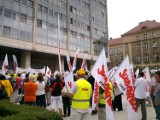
(10, 111)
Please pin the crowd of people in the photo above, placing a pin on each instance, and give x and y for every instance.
(41, 90)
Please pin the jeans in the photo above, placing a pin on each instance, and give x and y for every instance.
(157, 108)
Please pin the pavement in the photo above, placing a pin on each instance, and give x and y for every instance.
(122, 115)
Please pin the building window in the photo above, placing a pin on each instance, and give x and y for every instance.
(145, 36)
(6, 31)
(44, 25)
(45, 9)
(115, 59)
(22, 35)
(7, 13)
(50, 12)
(29, 36)
(40, 7)
(138, 58)
(30, 3)
(155, 56)
(71, 20)
(154, 44)
(146, 58)
(1, 11)
(115, 50)
(39, 23)
(120, 49)
(23, 18)
(145, 45)
(88, 28)
(153, 35)
(0, 30)
(15, 33)
(14, 15)
(24, 2)
(138, 46)
(17, 1)
(137, 37)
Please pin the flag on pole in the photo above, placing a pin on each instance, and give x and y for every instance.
(137, 72)
(15, 63)
(100, 73)
(84, 61)
(5, 64)
(48, 72)
(95, 95)
(69, 63)
(75, 60)
(132, 75)
(69, 82)
(148, 79)
(124, 82)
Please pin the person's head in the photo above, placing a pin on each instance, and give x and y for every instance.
(141, 74)
(157, 76)
(40, 78)
(31, 78)
(80, 73)
(19, 75)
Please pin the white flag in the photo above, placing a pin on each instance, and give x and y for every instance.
(69, 63)
(148, 79)
(68, 79)
(84, 61)
(48, 72)
(75, 60)
(5, 64)
(100, 73)
(124, 82)
(137, 72)
(15, 63)
(132, 74)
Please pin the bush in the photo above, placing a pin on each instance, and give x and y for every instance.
(9, 111)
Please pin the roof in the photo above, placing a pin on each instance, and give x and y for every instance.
(143, 26)
(115, 41)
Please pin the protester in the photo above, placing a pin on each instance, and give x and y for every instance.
(101, 102)
(140, 94)
(80, 95)
(18, 83)
(157, 107)
(40, 94)
(56, 93)
(30, 89)
(7, 85)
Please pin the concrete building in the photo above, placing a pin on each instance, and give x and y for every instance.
(115, 52)
(29, 29)
(142, 43)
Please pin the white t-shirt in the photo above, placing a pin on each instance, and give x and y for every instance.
(140, 90)
(41, 87)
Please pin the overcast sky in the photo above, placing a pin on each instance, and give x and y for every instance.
(123, 15)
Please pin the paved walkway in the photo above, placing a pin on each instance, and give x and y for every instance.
(122, 115)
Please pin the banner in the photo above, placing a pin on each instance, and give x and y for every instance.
(4, 65)
(36, 71)
(69, 82)
(100, 73)
(124, 82)
(148, 79)
(48, 72)
(75, 60)
(15, 63)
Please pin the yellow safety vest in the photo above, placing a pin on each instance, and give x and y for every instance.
(81, 99)
(102, 100)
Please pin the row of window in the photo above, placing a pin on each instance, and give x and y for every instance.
(115, 50)
(145, 45)
(146, 36)
(15, 33)
(147, 57)
(28, 3)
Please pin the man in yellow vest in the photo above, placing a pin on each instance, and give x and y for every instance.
(101, 102)
(80, 94)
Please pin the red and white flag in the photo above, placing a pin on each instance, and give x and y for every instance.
(132, 74)
(69, 82)
(75, 60)
(95, 95)
(69, 63)
(100, 73)
(111, 73)
(124, 82)
(5, 64)
(15, 63)
(84, 61)
(48, 72)
(148, 79)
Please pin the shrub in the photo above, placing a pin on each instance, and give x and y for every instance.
(9, 111)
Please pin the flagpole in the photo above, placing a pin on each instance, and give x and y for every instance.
(59, 57)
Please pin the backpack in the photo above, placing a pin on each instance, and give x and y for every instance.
(3, 92)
